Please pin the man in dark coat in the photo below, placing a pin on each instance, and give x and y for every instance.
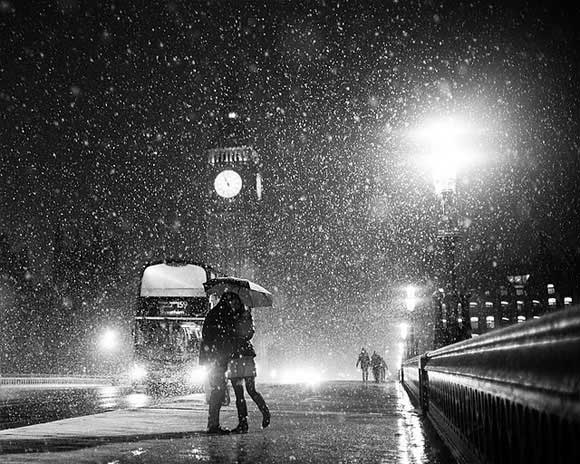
(216, 350)
(364, 361)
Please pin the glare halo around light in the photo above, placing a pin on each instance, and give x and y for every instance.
(109, 340)
(448, 145)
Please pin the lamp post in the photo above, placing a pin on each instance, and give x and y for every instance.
(444, 140)
(408, 329)
(448, 235)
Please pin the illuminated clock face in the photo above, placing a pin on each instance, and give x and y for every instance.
(228, 183)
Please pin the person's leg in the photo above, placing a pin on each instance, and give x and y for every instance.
(218, 386)
(259, 400)
(241, 406)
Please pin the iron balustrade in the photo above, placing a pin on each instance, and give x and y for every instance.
(53, 380)
(510, 396)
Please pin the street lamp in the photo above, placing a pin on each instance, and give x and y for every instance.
(446, 142)
(408, 327)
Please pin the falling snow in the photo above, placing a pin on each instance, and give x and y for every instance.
(107, 108)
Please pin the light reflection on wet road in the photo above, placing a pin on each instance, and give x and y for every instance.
(338, 422)
(26, 405)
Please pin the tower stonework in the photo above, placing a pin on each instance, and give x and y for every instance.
(234, 186)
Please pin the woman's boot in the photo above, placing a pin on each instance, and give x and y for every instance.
(265, 416)
(242, 426)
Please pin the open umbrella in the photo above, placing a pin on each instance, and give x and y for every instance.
(251, 294)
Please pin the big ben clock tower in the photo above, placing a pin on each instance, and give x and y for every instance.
(234, 186)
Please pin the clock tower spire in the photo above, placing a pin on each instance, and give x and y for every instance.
(234, 193)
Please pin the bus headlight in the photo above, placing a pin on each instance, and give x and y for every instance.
(109, 340)
(198, 375)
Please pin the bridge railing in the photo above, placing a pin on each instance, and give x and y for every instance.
(510, 396)
(52, 380)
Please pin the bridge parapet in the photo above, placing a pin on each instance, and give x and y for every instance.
(52, 380)
(511, 396)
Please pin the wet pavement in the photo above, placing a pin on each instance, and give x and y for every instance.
(334, 422)
(33, 404)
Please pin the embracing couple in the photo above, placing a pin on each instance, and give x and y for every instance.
(227, 352)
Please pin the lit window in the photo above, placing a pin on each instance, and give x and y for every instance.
(568, 300)
(475, 323)
(551, 289)
(551, 301)
(521, 319)
(504, 303)
(520, 305)
(519, 291)
(460, 320)
(490, 322)
(488, 304)
(473, 304)
(503, 291)
(536, 302)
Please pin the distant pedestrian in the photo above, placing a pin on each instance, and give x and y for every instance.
(376, 366)
(242, 369)
(364, 361)
(216, 350)
(383, 370)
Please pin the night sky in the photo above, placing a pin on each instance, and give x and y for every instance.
(106, 108)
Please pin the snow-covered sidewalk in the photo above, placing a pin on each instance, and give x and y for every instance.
(176, 419)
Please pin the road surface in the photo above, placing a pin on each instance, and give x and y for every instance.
(334, 422)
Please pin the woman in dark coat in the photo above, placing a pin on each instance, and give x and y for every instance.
(242, 370)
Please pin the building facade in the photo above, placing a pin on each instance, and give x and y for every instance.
(519, 299)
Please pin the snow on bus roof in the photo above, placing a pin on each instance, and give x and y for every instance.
(162, 280)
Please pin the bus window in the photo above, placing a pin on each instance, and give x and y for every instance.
(176, 335)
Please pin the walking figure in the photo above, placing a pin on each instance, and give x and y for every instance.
(384, 369)
(364, 361)
(376, 366)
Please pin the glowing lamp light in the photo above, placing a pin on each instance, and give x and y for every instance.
(109, 340)
(411, 299)
(399, 362)
(198, 375)
(447, 142)
(137, 400)
(301, 375)
(404, 328)
(138, 373)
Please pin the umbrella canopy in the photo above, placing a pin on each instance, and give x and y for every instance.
(251, 294)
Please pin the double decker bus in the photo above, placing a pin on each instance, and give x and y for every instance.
(171, 307)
